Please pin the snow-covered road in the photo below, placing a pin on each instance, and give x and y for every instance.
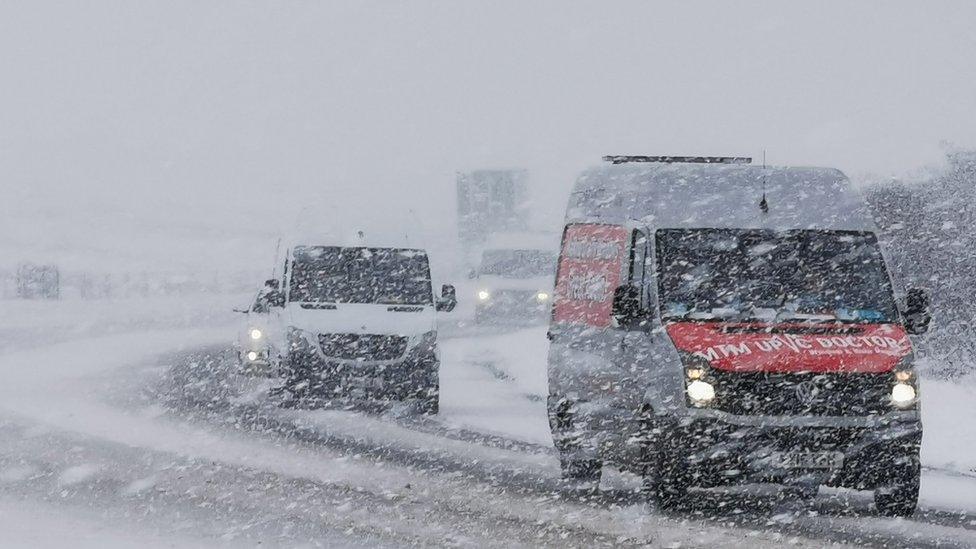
(145, 437)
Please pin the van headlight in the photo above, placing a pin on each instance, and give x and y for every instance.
(701, 393)
(698, 386)
(483, 295)
(903, 395)
(255, 334)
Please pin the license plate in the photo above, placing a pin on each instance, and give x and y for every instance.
(810, 460)
(365, 382)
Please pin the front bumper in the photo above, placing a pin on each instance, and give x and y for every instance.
(718, 452)
(310, 374)
(724, 449)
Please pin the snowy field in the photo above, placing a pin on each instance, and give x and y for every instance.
(142, 435)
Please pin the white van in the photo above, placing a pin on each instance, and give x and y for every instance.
(514, 277)
(359, 323)
(719, 323)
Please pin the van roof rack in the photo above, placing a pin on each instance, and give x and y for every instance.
(625, 159)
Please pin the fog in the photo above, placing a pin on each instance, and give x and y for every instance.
(188, 134)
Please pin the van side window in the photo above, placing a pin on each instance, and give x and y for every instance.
(284, 274)
(638, 261)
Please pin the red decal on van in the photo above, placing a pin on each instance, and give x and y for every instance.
(590, 264)
(754, 347)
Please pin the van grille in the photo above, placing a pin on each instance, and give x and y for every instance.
(514, 296)
(820, 395)
(362, 346)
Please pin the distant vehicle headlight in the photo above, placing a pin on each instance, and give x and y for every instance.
(252, 356)
(701, 392)
(483, 295)
(542, 296)
(255, 334)
(903, 395)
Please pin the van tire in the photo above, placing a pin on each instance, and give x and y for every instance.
(900, 498)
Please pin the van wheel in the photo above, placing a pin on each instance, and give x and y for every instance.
(900, 498)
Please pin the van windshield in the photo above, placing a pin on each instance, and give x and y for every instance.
(387, 276)
(518, 263)
(722, 274)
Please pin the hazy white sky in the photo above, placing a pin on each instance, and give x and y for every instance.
(178, 125)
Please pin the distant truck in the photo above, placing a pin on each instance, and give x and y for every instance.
(38, 282)
(490, 201)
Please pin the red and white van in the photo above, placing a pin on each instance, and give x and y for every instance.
(716, 323)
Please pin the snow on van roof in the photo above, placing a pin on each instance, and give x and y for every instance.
(718, 196)
(352, 238)
(334, 226)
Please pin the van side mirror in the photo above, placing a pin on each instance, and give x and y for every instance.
(272, 283)
(627, 305)
(448, 299)
(916, 313)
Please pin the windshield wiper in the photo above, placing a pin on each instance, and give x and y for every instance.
(716, 314)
